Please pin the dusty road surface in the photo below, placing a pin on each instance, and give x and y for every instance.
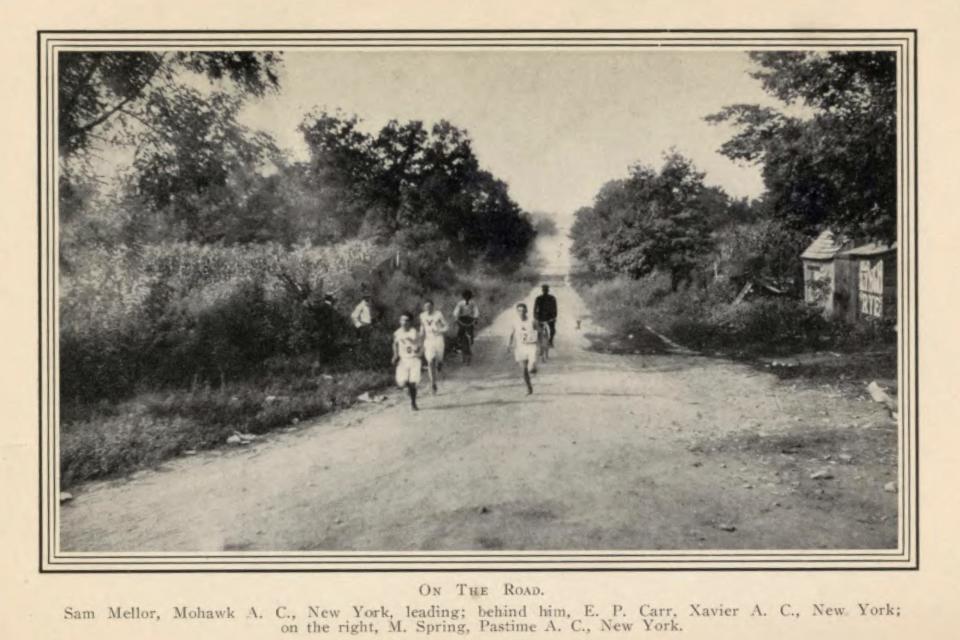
(642, 451)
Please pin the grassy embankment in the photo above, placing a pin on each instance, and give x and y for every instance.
(788, 336)
(170, 350)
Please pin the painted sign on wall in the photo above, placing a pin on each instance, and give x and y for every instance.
(871, 288)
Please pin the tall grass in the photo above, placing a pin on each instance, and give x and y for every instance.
(703, 317)
(155, 426)
(178, 314)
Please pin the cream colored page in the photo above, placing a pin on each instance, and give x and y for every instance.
(276, 604)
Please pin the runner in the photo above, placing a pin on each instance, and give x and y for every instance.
(523, 341)
(466, 313)
(407, 351)
(432, 329)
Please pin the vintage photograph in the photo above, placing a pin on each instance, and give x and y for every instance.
(501, 300)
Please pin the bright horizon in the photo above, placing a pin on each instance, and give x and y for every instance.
(555, 125)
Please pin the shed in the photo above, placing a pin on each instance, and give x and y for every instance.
(819, 276)
(866, 282)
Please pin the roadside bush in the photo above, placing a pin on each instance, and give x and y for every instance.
(703, 318)
(773, 326)
(98, 365)
(180, 314)
(865, 334)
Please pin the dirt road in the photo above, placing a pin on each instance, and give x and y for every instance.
(647, 451)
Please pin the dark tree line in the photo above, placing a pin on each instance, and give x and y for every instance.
(415, 181)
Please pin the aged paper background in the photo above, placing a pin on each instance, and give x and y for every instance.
(31, 604)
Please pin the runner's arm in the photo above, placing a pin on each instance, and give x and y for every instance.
(396, 352)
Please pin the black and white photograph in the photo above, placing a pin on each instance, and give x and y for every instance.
(617, 299)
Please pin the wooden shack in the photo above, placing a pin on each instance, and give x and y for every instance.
(853, 282)
(818, 270)
(866, 283)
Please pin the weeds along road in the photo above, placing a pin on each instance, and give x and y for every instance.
(653, 451)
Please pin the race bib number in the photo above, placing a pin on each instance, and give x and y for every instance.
(407, 347)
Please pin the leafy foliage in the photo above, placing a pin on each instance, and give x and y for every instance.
(650, 221)
(764, 251)
(174, 313)
(104, 91)
(406, 177)
(837, 168)
(197, 172)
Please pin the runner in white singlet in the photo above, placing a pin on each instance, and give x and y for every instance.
(523, 341)
(432, 328)
(407, 351)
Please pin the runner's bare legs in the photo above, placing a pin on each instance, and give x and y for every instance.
(523, 342)
(433, 326)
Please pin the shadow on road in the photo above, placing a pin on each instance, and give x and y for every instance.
(487, 403)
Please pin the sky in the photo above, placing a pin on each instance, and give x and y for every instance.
(555, 125)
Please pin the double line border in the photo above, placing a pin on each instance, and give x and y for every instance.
(903, 42)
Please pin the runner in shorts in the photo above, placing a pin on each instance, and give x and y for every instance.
(407, 351)
(432, 329)
(466, 314)
(523, 341)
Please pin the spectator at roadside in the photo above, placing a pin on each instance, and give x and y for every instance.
(362, 315)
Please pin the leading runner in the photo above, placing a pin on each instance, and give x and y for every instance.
(523, 341)
(407, 351)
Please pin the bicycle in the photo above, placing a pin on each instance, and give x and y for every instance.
(465, 336)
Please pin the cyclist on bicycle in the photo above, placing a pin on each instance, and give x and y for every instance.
(466, 313)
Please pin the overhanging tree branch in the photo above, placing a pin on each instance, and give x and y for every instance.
(83, 128)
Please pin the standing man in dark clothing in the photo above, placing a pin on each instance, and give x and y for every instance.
(545, 310)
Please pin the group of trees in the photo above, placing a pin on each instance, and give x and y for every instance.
(838, 167)
(653, 220)
(197, 174)
(416, 184)
(833, 168)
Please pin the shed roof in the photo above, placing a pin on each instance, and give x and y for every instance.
(871, 249)
(825, 247)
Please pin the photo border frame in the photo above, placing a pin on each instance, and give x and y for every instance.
(904, 557)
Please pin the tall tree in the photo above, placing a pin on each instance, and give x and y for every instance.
(650, 221)
(196, 169)
(836, 168)
(407, 176)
